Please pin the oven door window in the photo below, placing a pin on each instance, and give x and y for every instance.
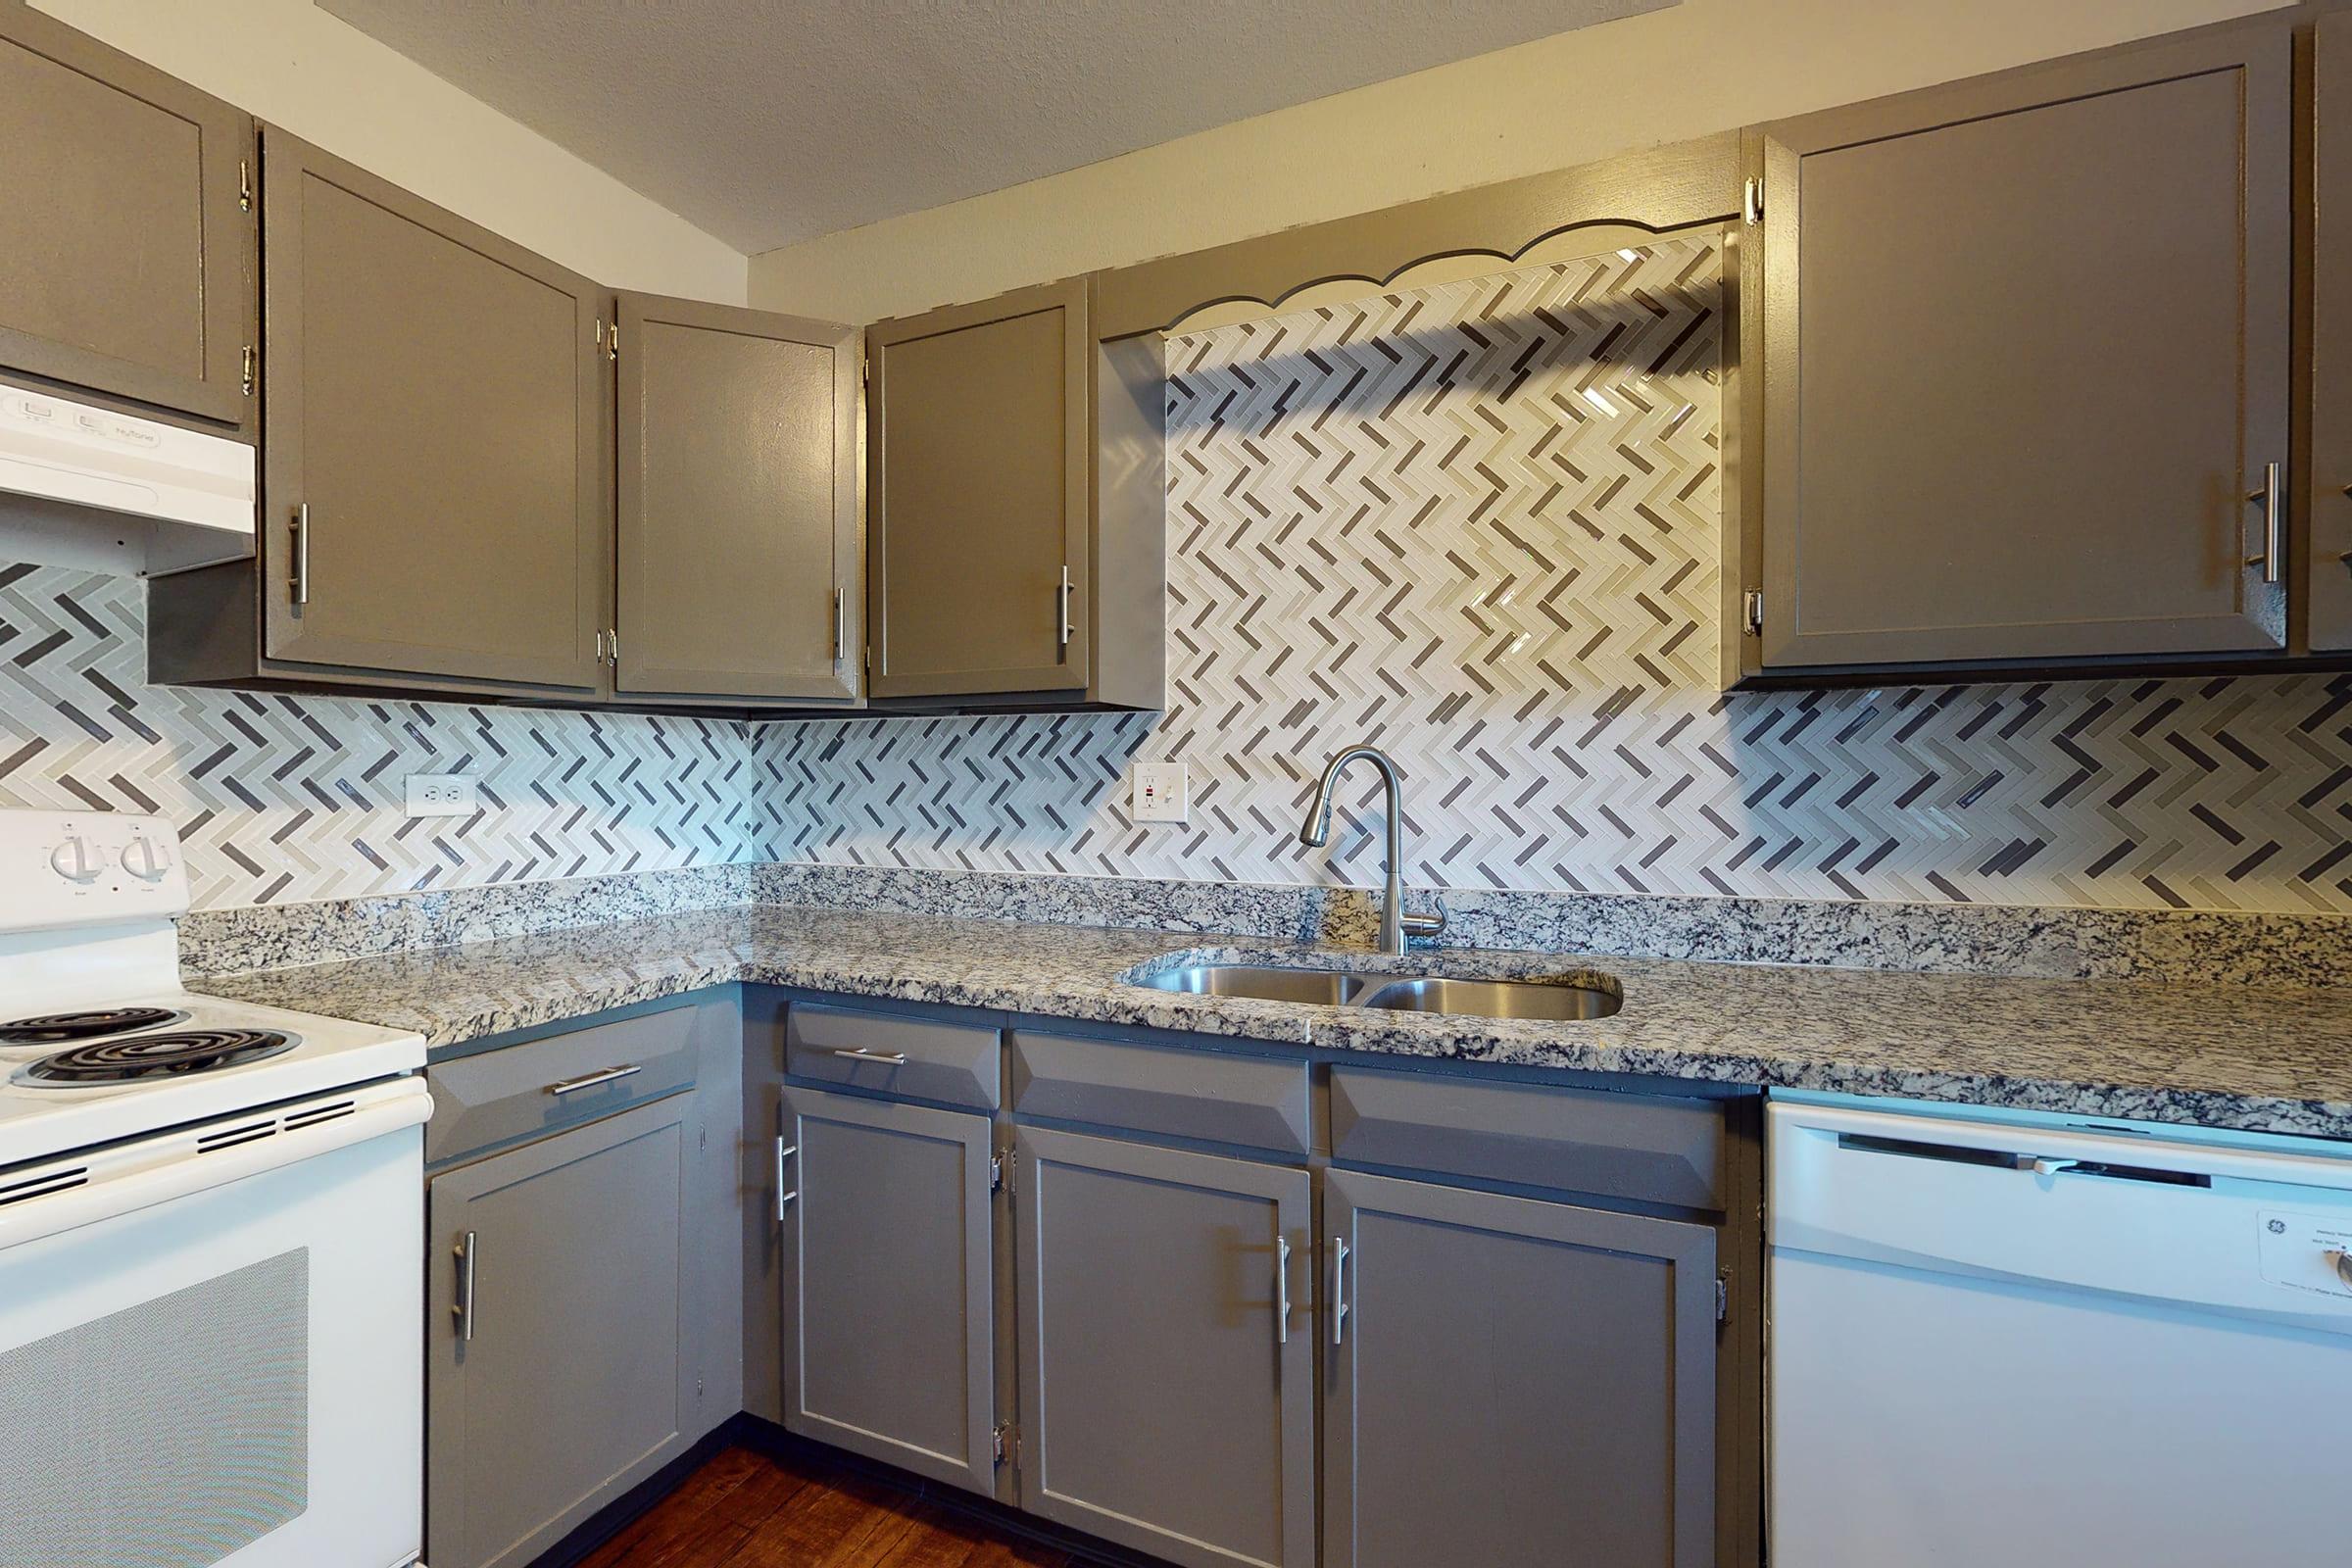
(232, 1375)
(167, 1434)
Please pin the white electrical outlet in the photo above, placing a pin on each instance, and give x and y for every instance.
(1162, 791)
(440, 795)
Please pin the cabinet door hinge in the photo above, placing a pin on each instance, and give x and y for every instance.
(1751, 200)
(612, 340)
(244, 185)
(249, 370)
(1000, 1172)
(1007, 1443)
(1723, 1298)
(1751, 613)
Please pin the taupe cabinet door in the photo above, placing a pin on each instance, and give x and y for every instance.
(1514, 1384)
(889, 1337)
(437, 411)
(738, 570)
(126, 258)
(573, 1384)
(980, 455)
(1168, 1399)
(2330, 519)
(2025, 358)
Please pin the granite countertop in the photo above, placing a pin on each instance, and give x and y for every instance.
(2245, 1058)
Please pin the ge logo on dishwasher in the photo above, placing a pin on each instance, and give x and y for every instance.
(2277, 1227)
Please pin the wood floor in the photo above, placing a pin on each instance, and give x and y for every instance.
(747, 1510)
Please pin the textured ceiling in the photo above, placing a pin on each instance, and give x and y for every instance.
(766, 123)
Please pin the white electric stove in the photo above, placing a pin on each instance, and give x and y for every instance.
(212, 1238)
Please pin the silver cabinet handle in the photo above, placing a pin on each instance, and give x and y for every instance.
(2274, 547)
(840, 637)
(604, 1075)
(1062, 602)
(1282, 1289)
(784, 1151)
(894, 1059)
(1339, 1290)
(299, 584)
(464, 1310)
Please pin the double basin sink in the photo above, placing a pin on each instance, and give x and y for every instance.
(1561, 1001)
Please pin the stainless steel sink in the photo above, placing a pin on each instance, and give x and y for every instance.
(1497, 998)
(1557, 1000)
(1329, 988)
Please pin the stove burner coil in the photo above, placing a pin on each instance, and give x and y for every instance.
(64, 1028)
(163, 1055)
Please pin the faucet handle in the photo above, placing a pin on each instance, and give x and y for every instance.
(1426, 925)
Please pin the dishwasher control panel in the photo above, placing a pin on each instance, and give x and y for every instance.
(2307, 1252)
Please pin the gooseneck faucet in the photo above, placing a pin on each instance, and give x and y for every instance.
(1394, 924)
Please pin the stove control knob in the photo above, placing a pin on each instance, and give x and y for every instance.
(76, 860)
(146, 860)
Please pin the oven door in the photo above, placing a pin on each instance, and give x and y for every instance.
(208, 1352)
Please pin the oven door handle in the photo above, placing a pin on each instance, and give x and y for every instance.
(385, 1108)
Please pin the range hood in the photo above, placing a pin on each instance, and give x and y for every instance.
(85, 486)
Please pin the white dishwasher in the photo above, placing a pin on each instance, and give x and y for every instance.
(2000, 1338)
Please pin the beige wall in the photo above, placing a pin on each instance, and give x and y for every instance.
(1701, 67)
(295, 66)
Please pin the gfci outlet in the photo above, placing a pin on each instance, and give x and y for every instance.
(440, 795)
(1162, 793)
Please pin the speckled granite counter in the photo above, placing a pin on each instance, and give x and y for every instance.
(2267, 1060)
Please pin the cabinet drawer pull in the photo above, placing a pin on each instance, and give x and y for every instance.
(1281, 1291)
(1339, 1290)
(605, 1075)
(784, 1151)
(2273, 543)
(298, 586)
(464, 1310)
(893, 1058)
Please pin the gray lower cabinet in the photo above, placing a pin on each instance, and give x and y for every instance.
(2024, 382)
(1166, 1368)
(558, 1338)
(1514, 1383)
(887, 1282)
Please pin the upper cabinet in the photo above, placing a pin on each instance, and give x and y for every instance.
(1009, 558)
(436, 457)
(125, 226)
(2328, 509)
(2024, 380)
(739, 572)
(434, 486)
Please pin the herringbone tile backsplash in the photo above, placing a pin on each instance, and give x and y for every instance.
(1478, 525)
(286, 798)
